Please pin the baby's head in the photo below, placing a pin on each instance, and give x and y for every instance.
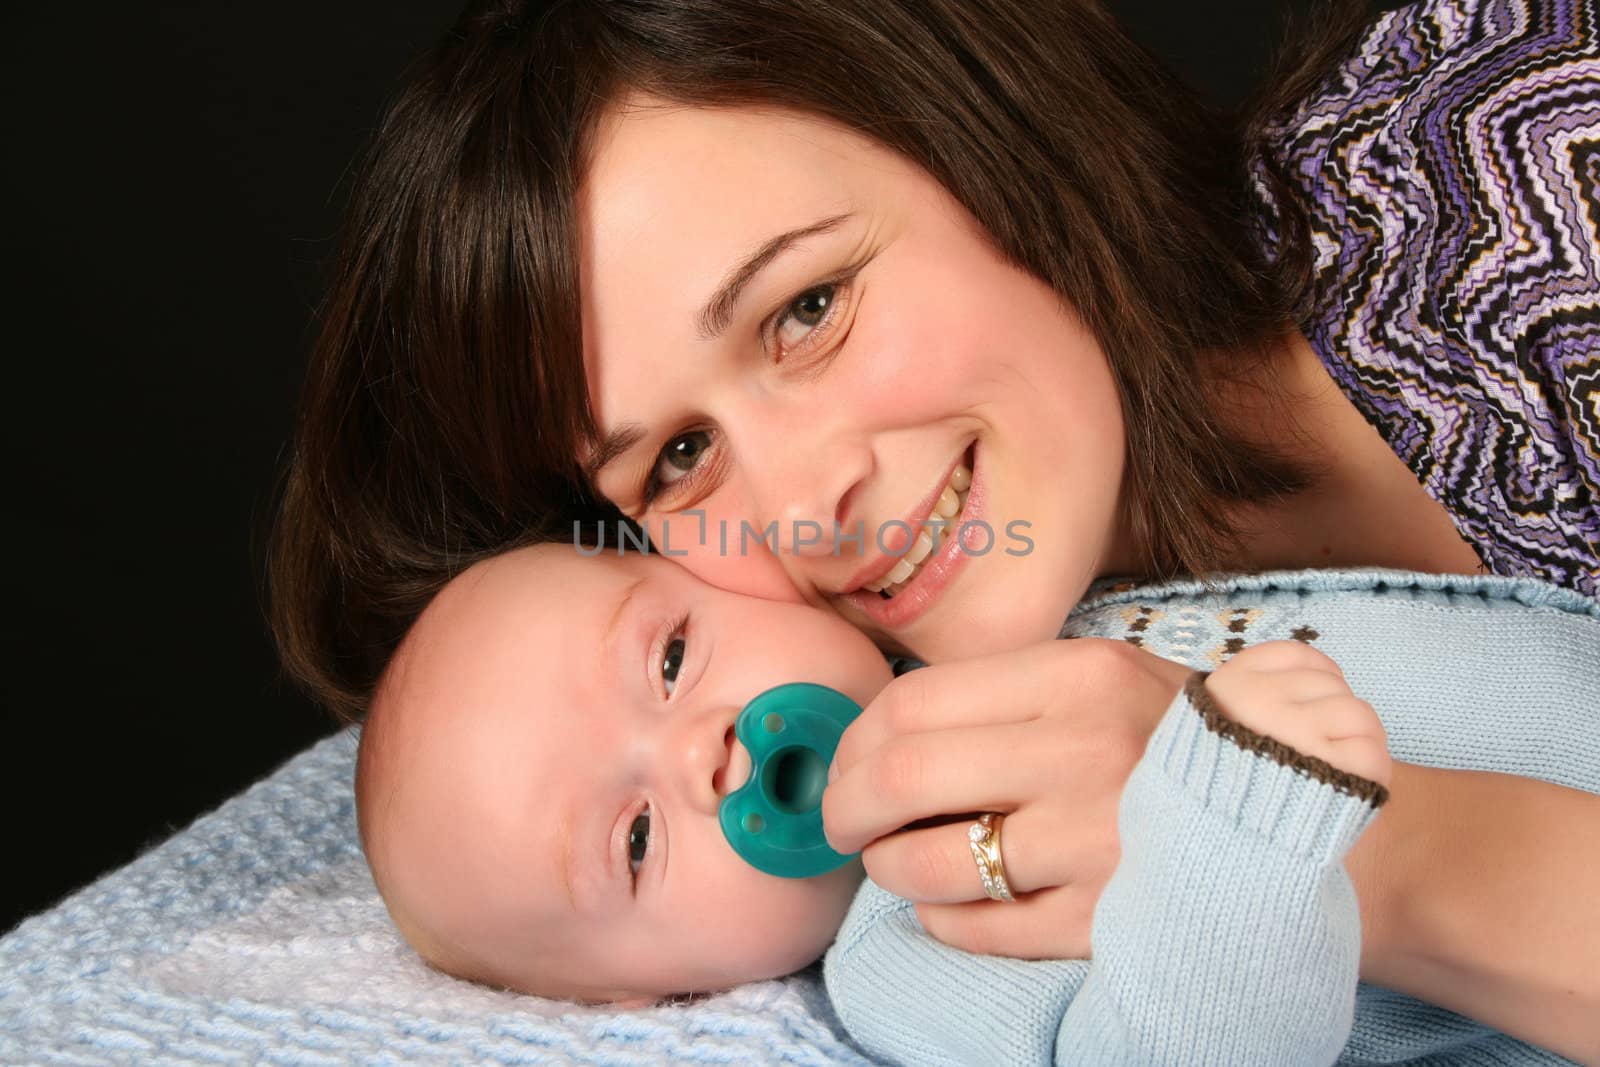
(541, 770)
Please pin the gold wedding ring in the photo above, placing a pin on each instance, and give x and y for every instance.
(984, 837)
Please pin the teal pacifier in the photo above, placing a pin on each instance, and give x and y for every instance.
(774, 821)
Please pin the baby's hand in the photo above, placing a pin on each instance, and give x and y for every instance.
(1294, 694)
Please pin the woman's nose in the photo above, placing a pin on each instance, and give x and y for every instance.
(806, 478)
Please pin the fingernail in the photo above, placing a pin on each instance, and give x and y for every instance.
(833, 772)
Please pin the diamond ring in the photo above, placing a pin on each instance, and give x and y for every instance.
(984, 837)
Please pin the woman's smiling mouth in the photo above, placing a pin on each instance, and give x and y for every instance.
(893, 597)
(942, 521)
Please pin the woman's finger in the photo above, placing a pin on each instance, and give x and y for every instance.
(941, 697)
(935, 865)
(1012, 687)
(925, 775)
(1049, 924)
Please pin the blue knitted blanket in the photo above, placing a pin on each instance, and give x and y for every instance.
(256, 936)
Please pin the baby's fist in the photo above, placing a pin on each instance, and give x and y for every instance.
(1296, 695)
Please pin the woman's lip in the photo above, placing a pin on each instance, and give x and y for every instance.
(935, 574)
(875, 569)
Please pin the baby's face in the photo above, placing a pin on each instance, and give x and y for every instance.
(559, 736)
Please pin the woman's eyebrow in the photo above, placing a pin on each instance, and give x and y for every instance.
(612, 446)
(718, 311)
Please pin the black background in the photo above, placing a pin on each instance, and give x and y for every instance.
(173, 179)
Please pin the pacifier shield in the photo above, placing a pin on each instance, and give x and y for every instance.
(774, 821)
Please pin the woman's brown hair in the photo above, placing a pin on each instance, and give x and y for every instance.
(445, 406)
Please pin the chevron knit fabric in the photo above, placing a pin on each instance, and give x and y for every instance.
(1450, 170)
(1229, 933)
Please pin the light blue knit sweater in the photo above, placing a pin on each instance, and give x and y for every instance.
(1230, 934)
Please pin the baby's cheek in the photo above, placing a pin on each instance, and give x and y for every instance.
(791, 923)
(829, 898)
(807, 936)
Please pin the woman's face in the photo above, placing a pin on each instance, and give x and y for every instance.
(795, 339)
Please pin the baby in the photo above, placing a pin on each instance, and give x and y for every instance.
(541, 768)
(540, 774)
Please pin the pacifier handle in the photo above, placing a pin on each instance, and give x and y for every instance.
(774, 821)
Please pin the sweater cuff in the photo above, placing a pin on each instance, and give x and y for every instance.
(1297, 802)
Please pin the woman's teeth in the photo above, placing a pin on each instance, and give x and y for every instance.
(946, 513)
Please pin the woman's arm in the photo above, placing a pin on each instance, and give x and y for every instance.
(1230, 933)
(1476, 889)
(1480, 893)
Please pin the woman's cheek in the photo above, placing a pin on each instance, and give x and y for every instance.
(722, 551)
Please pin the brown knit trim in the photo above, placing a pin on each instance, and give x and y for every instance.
(1247, 739)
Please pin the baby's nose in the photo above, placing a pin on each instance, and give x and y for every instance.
(710, 761)
(735, 772)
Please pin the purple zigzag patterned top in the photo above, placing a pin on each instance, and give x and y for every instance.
(1450, 168)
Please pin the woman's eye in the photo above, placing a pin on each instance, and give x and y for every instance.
(680, 457)
(809, 310)
(671, 663)
(638, 841)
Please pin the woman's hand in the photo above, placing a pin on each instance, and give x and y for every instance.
(1049, 735)
(1046, 735)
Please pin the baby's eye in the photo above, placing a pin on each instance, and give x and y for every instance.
(671, 663)
(638, 841)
